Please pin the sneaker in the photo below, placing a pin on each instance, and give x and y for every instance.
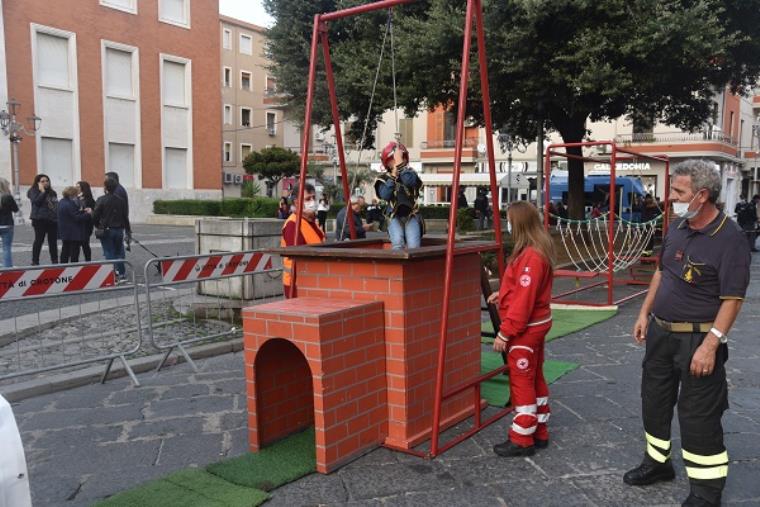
(648, 473)
(511, 450)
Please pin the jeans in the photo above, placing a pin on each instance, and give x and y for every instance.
(405, 230)
(41, 229)
(6, 234)
(113, 248)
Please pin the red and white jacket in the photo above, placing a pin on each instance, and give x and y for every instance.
(525, 293)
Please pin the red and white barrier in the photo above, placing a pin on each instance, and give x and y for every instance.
(214, 266)
(36, 282)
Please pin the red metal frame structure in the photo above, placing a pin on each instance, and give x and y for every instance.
(320, 37)
(552, 150)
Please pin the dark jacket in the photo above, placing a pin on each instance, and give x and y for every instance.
(72, 221)
(346, 229)
(44, 204)
(111, 213)
(122, 192)
(85, 202)
(401, 193)
(8, 207)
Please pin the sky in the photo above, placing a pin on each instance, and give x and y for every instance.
(251, 11)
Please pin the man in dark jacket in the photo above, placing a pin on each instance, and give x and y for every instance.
(120, 191)
(111, 215)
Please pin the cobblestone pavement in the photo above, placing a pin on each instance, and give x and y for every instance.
(90, 442)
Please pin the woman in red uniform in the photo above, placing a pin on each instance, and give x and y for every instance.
(523, 299)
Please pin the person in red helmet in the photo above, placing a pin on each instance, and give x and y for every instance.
(400, 188)
(523, 300)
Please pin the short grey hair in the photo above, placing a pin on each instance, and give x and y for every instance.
(703, 175)
(5, 187)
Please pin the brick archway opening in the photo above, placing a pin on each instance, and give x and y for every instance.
(284, 391)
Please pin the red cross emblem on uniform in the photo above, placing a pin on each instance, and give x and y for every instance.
(525, 280)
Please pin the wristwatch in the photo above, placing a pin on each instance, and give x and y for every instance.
(720, 336)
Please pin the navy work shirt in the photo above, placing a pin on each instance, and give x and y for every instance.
(701, 268)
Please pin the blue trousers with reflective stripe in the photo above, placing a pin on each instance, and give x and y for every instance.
(701, 402)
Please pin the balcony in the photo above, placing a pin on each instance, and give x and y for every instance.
(470, 142)
(677, 137)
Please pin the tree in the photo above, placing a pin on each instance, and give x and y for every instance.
(555, 62)
(272, 165)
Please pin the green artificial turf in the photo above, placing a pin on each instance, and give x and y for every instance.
(191, 487)
(564, 322)
(496, 389)
(273, 466)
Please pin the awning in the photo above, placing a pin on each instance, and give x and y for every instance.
(473, 180)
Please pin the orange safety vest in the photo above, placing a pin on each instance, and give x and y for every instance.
(309, 235)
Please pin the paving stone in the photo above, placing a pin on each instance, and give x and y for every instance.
(314, 489)
(742, 446)
(135, 396)
(609, 489)
(233, 386)
(238, 442)
(110, 482)
(191, 406)
(70, 437)
(489, 470)
(475, 495)
(234, 420)
(548, 493)
(80, 417)
(185, 391)
(386, 480)
(53, 489)
(742, 484)
(189, 450)
(379, 456)
(167, 427)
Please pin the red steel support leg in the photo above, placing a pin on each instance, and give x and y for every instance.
(611, 230)
(486, 93)
(462, 105)
(547, 185)
(336, 125)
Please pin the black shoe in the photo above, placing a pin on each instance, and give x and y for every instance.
(510, 450)
(540, 444)
(648, 473)
(697, 501)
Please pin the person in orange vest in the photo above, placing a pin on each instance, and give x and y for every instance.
(308, 234)
(526, 318)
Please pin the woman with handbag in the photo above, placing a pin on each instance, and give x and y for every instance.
(44, 217)
(86, 200)
(8, 207)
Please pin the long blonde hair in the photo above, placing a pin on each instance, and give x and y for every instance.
(527, 230)
(5, 187)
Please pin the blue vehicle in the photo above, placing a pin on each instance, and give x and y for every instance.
(629, 194)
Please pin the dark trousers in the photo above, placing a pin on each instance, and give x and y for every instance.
(70, 251)
(701, 402)
(44, 228)
(113, 248)
(86, 246)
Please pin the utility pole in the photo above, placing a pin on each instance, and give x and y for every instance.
(755, 138)
(15, 132)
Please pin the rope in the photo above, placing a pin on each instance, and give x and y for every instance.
(388, 29)
(397, 134)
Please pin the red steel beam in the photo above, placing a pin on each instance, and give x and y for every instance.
(361, 9)
(338, 137)
(462, 105)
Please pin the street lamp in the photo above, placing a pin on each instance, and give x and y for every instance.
(756, 136)
(15, 132)
(507, 143)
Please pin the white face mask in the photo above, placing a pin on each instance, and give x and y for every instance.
(310, 206)
(681, 209)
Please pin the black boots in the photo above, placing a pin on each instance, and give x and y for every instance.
(649, 473)
(697, 501)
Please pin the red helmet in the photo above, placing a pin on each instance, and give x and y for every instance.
(387, 155)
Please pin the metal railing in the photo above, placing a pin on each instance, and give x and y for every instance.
(54, 335)
(677, 137)
(199, 298)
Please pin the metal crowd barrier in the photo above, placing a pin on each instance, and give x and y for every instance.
(44, 310)
(198, 298)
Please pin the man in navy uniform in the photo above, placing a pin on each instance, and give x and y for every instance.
(693, 300)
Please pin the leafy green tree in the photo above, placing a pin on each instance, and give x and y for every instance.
(559, 63)
(272, 165)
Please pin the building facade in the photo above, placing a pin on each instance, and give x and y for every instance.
(251, 114)
(122, 86)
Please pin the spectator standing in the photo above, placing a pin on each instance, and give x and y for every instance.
(44, 217)
(322, 208)
(342, 230)
(462, 199)
(482, 208)
(120, 191)
(283, 211)
(8, 207)
(72, 223)
(375, 214)
(111, 216)
(86, 200)
(746, 217)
